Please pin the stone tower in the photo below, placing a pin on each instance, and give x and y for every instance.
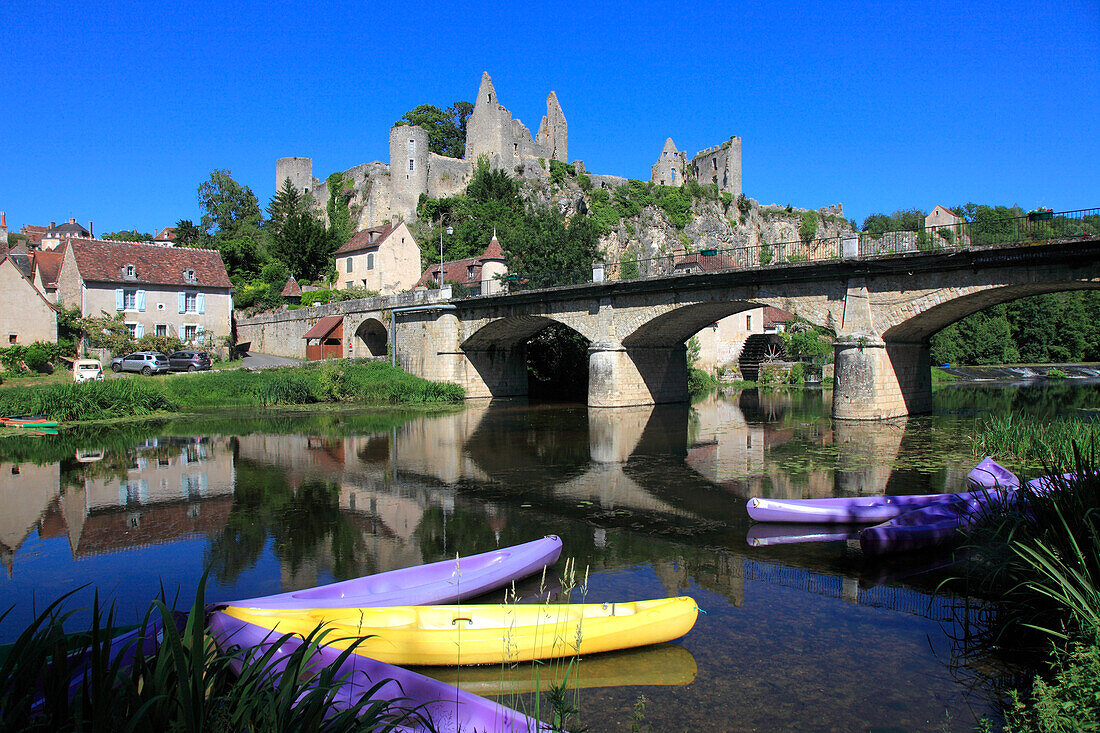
(298, 170)
(408, 167)
(670, 166)
(554, 132)
(487, 124)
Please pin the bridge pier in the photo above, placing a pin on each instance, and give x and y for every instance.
(625, 377)
(497, 372)
(878, 380)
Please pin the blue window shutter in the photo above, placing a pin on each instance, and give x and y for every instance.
(119, 299)
(200, 302)
(141, 300)
(139, 330)
(183, 302)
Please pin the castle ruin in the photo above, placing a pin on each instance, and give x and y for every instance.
(719, 165)
(382, 192)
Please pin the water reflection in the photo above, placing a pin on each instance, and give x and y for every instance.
(650, 500)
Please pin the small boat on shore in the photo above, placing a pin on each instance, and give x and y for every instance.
(486, 634)
(985, 478)
(446, 709)
(446, 581)
(28, 421)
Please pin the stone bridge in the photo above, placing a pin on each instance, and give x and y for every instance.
(882, 309)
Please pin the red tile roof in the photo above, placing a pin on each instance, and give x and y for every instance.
(99, 260)
(291, 290)
(366, 239)
(323, 327)
(33, 232)
(459, 272)
(773, 316)
(167, 234)
(48, 263)
(706, 263)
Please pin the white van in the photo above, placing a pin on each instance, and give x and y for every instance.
(85, 370)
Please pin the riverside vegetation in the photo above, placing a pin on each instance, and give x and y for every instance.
(1040, 559)
(366, 383)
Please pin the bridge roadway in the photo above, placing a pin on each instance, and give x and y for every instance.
(883, 310)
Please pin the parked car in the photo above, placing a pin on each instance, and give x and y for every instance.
(189, 361)
(146, 362)
(87, 370)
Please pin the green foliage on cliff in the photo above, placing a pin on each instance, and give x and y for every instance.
(909, 220)
(446, 129)
(808, 228)
(541, 248)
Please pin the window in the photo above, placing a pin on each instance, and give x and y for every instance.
(13, 338)
(412, 165)
(412, 146)
(162, 329)
(129, 299)
(715, 162)
(131, 271)
(672, 174)
(132, 328)
(349, 285)
(370, 260)
(189, 276)
(190, 303)
(349, 264)
(469, 272)
(190, 332)
(748, 323)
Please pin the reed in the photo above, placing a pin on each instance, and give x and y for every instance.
(86, 400)
(186, 684)
(1031, 442)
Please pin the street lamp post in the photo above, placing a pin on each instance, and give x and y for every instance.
(450, 230)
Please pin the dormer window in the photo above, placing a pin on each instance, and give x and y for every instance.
(129, 272)
(189, 276)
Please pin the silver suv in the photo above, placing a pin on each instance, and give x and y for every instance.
(146, 362)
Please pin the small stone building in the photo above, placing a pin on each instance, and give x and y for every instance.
(384, 259)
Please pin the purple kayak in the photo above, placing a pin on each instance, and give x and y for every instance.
(448, 708)
(985, 478)
(446, 581)
(930, 526)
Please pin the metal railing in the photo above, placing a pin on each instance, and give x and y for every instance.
(1035, 227)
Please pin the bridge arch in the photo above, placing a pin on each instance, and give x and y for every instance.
(929, 313)
(370, 338)
(496, 353)
(677, 325)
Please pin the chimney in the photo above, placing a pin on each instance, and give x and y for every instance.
(91, 232)
(53, 224)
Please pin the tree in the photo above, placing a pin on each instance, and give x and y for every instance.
(304, 247)
(288, 201)
(232, 210)
(232, 224)
(446, 129)
(187, 234)
(127, 236)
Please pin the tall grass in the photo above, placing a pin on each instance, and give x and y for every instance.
(1033, 442)
(184, 684)
(366, 383)
(86, 400)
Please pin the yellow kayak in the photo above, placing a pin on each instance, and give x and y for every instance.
(486, 634)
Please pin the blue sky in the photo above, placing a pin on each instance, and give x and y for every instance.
(115, 112)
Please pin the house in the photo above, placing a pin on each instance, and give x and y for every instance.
(941, 216)
(479, 275)
(55, 235)
(158, 289)
(45, 267)
(384, 259)
(25, 314)
(722, 343)
(167, 235)
(707, 260)
(33, 233)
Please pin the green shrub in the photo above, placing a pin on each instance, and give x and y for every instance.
(766, 254)
(283, 387)
(808, 228)
(38, 356)
(796, 373)
(1054, 373)
(585, 182)
(1069, 701)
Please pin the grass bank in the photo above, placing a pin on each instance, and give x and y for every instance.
(1040, 558)
(360, 383)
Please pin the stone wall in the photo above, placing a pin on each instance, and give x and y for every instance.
(720, 165)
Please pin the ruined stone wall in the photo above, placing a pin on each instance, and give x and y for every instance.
(720, 165)
(447, 176)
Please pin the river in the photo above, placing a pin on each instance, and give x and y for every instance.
(649, 502)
